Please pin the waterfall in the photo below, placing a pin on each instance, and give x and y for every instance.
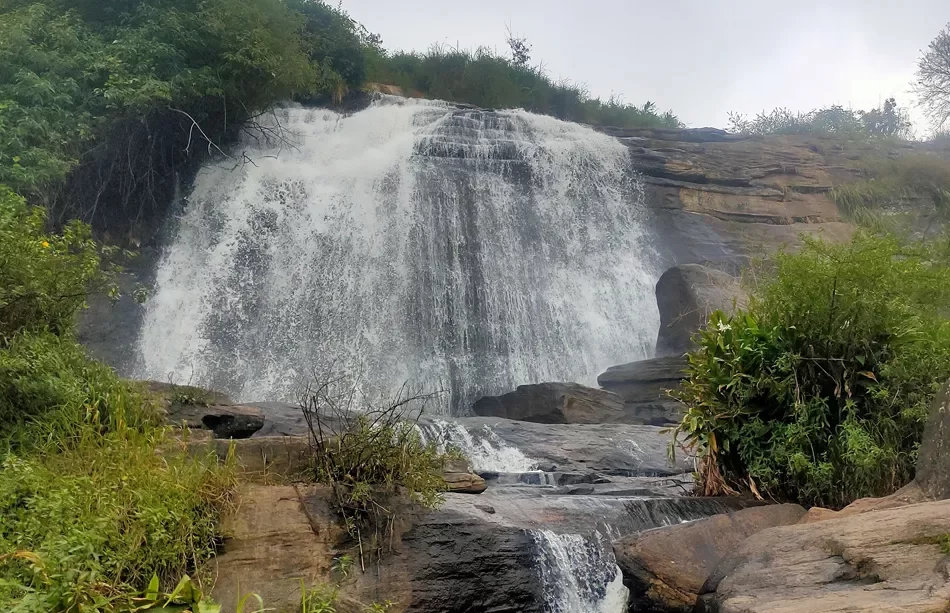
(454, 248)
(485, 450)
(579, 574)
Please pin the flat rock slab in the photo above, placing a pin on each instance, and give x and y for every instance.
(667, 567)
(608, 449)
(884, 561)
(554, 403)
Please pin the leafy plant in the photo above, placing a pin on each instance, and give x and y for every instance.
(889, 121)
(818, 392)
(371, 457)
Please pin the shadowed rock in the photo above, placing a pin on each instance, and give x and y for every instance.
(553, 403)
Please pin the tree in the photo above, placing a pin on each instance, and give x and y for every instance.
(520, 49)
(933, 79)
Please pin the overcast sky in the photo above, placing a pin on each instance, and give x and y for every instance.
(700, 58)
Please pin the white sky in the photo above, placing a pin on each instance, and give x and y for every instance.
(700, 58)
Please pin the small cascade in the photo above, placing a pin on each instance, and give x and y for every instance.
(485, 450)
(579, 574)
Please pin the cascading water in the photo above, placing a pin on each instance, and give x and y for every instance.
(579, 574)
(412, 241)
(485, 450)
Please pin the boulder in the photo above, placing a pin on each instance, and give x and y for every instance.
(553, 403)
(880, 561)
(665, 568)
(459, 478)
(643, 387)
(225, 421)
(686, 295)
(201, 409)
(933, 459)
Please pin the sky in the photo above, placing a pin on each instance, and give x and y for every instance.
(699, 58)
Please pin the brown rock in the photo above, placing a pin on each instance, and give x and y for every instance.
(686, 295)
(933, 460)
(666, 567)
(878, 561)
(554, 403)
(643, 386)
(272, 550)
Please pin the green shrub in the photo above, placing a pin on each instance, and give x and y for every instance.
(889, 121)
(44, 278)
(819, 391)
(84, 529)
(890, 184)
(373, 458)
(489, 80)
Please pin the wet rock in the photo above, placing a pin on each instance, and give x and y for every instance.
(271, 550)
(880, 561)
(201, 409)
(605, 449)
(665, 568)
(933, 460)
(686, 295)
(643, 386)
(553, 403)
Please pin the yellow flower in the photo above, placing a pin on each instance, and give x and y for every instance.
(45, 245)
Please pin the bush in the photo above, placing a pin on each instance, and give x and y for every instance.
(86, 528)
(489, 80)
(819, 391)
(44, 278)
(891, 184)
(371, 457)
(889, 121)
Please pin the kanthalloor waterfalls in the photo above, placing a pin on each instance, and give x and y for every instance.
(414, 241)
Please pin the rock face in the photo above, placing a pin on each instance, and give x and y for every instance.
(686, 295)
(553, 403)
(879, 561)
(666, 568)
(720, 197)
(933, 460)
(643, 386)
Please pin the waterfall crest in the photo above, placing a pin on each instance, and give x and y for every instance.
(413, 241)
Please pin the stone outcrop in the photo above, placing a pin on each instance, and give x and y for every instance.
(933, 459)
(686, 295)
(201, 409)
(880, 561)
(643, 386)
(553, 403)
(605, 449)
(720, 197)
(666, 568)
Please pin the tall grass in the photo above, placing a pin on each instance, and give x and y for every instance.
(489, 80)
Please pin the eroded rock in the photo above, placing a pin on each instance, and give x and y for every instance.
(933, 460)
(553, 403)
(880, 561)
(686, 295)
(666, 568)
(643, 386)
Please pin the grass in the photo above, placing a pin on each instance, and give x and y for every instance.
(90, 510)
(918, 182)
(486, 79)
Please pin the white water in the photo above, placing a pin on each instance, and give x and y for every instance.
(485, 450)
(408, 242)
(579, 574)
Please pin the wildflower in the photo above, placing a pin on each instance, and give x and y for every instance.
(45, 244)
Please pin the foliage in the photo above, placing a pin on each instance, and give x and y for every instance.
(371, 456)
(889, 121)
(44, 278)
(818, 393)
(489, 80)
(933, 79)
(86, 522)
(117, 97)
(890, 183)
